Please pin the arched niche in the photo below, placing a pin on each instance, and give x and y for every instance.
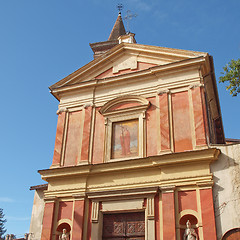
(63, 225)
(124, 104)
(194, 223)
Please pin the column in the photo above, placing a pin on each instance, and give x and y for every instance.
(96, 220)
(150, 218)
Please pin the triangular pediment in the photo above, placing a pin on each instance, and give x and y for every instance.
(126, 58)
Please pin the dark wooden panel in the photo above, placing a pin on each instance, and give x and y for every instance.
(124, 226)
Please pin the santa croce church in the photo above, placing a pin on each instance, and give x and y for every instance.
(140, 151)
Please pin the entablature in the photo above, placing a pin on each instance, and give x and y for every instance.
(205, 156)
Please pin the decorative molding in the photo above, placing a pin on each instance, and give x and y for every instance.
(162, 91)
(204, 156)
(168, 189)
(50, 199)
(89, 104)
(62, 109)
(68, 221)
(95, 211)
(74, 101)
(106, 108)
(123, 205)
(128, 63)
(123, 194)
(205, 185)
(79, 196)
(195, 85)
(150, 207)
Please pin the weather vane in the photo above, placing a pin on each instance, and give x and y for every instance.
(128, 18)
(119, 7)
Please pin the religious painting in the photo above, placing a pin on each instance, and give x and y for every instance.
(125, 139)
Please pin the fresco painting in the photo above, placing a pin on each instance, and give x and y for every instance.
(125, 139)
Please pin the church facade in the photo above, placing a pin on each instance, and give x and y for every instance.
(137, 135)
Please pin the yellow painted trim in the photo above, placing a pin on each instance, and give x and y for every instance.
(192, 121)
(200, 213)
(158, 122)
(92, 129)
(170, 114)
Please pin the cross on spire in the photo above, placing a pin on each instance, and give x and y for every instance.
(128, 18)
(119, 7)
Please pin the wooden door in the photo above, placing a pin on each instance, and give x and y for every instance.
(124, 226)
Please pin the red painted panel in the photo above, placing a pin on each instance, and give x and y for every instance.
(59, 139)
(144, 65)
(73, 139)
(181, 122)
(78, 220)
(198, 117)
(157, 220)
(124, 105)
(65, 210)
(86, 133)
(151, 128)
(47, 221)
(169, 231)
(107, 73)
(98, 142)
(164, 122)
(208, 219)
(187, 200)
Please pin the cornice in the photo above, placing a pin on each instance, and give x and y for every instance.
(142, 74)
(167, 160)
(146, 92)
(124, 193)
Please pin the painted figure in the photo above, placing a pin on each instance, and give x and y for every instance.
(64, 235)
(125, 141)
(189, 233)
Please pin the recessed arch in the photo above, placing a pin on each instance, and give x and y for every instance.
(131, 101)
(63, 224)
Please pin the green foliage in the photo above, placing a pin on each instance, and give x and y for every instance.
(232, 76)
(2, 222)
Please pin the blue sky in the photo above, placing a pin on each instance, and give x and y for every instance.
(43, 41)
